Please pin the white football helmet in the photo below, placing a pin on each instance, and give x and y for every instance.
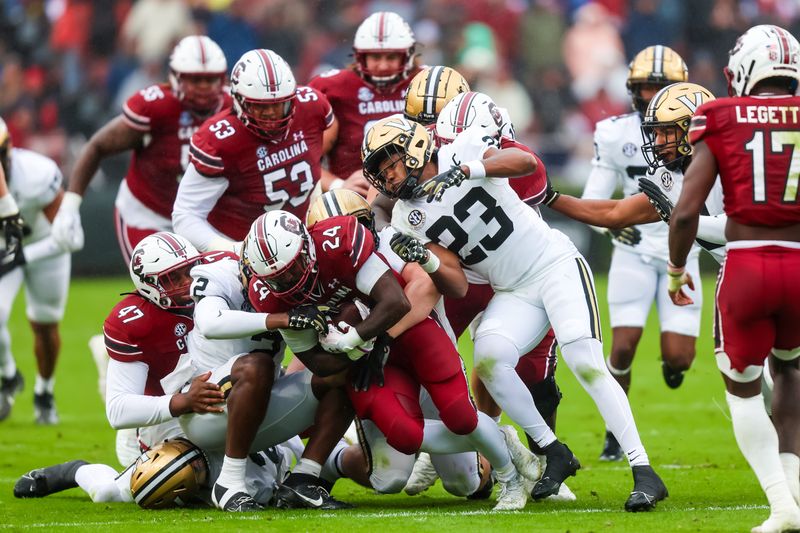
(763, 51)
(159, 269)
(469, 110)
(279, 251)
(384, 31)
(193, 57)
(262, 77)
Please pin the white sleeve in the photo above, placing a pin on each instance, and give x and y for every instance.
(299, 341)
(601, 184)
(126, 404)
(215, 320)
(712, 229)
(369, 273)
(197, 196)
(41, 249)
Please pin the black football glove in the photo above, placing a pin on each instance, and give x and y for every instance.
(310, 316)
(370, 368)
(658, 199)
(434, 188)
(11, 256)
(550, 194)
(630, 235)
(410, 249)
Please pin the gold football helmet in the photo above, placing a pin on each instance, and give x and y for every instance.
(168, 475)
(655, 65)
(388, 141)
(341, 202)
(430, 90)
(666, 124)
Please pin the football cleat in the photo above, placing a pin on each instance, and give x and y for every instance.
(44, 409)
(422, 477)
(564, 495)
(303, 491)
(524, 460)
(778, 522)
(45, 481)
(561, 464)
(611, 449)
(233, 501)
(9, 388)
(513, 494)
(648, 490)
(673, 378)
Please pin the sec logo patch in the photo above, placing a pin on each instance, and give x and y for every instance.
(180, 329)
(365, 95)
(629, 149)
(667, 181)
(416, 218)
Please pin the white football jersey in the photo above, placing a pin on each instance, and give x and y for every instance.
(221, 279)
(484, 222)
(671, 183)
(618, 160)
(34, 183)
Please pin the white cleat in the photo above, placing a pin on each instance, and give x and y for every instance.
(564, 495)
(778, 522)
(422, 477)
(513, 495)
(97, 346)
(524, 460)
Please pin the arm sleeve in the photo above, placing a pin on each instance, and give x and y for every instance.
(369, 273)
(712, 229)
(300, 341)
(41, 249)
(126, 405)
(215, 320)
(197, 196)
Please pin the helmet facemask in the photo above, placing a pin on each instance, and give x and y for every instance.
(269, 129)
(202, 93)
(296, 283)
(675, 145)
(376, 165)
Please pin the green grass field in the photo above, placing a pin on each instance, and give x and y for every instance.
(686, 431)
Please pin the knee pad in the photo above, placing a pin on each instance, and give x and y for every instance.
(546, 395)
(460, 416)
(492, 350)
(405, 435)
(461, 485)
(388, 481)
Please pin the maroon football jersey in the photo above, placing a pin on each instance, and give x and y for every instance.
(342, 245)
(357, 105)
(159, 163)
(532, 187)
(263, 175)
(756, 143)
(139, 330)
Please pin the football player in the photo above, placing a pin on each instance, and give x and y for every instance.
(369, 89)
(423, 355)
(31, 255)
(487, 225)
(156, 124)
(262, 155)
(745, 138)
(638, 263)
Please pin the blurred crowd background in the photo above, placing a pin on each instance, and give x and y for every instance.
(559, 66)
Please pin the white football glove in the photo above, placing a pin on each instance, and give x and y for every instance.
(345, 339)
(66, 228)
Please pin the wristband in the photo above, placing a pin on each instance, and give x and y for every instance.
(432, 264)
(71, 200)
(675, 270)
(338, 183)
(476, 169)
(8, 206)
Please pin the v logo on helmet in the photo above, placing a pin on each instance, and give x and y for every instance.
(692, 106)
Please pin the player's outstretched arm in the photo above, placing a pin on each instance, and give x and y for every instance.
(440, 263)
(506, 163)
(614, 214)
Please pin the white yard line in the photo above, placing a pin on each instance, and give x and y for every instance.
(355, 515)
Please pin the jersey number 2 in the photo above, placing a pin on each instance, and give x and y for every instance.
(460, 237)
(778, 139)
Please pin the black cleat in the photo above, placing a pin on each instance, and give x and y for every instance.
(44, 409)
(672, 377)
(648, 490)
(303, 491)
(232, 501)
(9, 388)
(561, 464)
(611, 449)
(45, 481)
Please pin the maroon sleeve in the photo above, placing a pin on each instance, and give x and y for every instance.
(204, 153)
(124, 329)
(142, 109)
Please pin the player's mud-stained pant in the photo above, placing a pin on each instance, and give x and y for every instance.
(291, 410)
(533, 367)
(423, 355)
(758, 307)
